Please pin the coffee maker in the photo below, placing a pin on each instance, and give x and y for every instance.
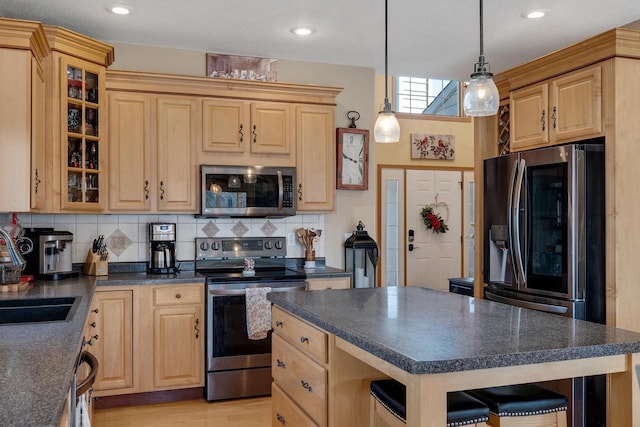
(162, 240)
(47, 253)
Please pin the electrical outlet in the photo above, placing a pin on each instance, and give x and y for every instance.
(291, 239)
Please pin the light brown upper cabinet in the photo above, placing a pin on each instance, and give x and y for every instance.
(316, 158)
(77, 113)
(152, 149)
(254, 128)
(23, 50)
(558, 110)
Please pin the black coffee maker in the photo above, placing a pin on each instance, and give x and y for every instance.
(162, 256)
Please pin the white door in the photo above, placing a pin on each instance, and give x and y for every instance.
(433, 258)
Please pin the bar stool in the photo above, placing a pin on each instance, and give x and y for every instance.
(523, 405)
(388, 402)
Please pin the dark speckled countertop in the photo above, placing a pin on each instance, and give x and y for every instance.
(37, 360)
(425, 331)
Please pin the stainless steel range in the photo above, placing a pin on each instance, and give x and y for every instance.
(237, 366)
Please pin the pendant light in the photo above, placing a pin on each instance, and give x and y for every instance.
(387, 128)
(481, 97)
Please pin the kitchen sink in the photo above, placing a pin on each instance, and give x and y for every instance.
(37, 310)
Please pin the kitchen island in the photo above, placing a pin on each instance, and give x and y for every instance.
(436, 342)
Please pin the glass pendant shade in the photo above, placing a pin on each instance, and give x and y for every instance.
(481, 97)
(387, 128)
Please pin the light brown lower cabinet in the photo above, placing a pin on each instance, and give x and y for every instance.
(329, 283)
(147, 337)
(110, 339)
(300, 372)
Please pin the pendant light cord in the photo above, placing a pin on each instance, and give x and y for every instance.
(481, 34)
(387, 105)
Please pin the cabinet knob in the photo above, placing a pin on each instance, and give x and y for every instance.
(280, 364)
(95, 337)
(281, 419)
(95, 310)
(178, 296)
(304, 339)
(278, 323)
(93, 324)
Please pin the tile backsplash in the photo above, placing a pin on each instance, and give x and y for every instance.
(128, 241)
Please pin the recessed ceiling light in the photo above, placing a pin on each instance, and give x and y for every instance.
(120, 9)
(302, 31)
(534, 14)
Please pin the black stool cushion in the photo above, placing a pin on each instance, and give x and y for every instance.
(461, 408)
(520, 400)
(392, 395)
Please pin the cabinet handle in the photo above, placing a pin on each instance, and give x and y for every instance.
(93, 324)
(542, 120)
(146, 189)
(305, 385)
(161, 190)
(255, 135)
(553, 117)
(278, 323)
(281, 419)
(304, 339)
(280, 364)
(241, 133)
(300, 191)
(197, 328)
(37, 181)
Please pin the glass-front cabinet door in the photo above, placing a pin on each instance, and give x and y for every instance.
(83, 105)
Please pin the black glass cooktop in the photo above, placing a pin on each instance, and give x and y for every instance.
(222, 275)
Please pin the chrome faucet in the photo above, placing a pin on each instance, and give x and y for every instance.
(16, 257)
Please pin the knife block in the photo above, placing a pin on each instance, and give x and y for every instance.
(94, 266)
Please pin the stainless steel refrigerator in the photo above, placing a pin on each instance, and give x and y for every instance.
(544, 222)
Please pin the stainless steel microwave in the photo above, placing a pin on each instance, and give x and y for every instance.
(247, 191)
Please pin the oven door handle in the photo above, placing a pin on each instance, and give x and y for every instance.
(230, 292)
(547, 308)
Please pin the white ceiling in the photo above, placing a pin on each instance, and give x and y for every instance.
(436, 38)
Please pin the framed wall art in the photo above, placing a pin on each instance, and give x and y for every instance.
(241, 67)
(433, 147)
(352, 158)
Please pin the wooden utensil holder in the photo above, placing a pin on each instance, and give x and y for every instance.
(95, 266)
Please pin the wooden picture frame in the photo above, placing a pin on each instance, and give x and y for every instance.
(352, 156)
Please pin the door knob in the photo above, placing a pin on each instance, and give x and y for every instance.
(411, 247)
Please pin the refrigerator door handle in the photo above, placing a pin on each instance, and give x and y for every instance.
(547, 308)
(512, 187)
(515, 224)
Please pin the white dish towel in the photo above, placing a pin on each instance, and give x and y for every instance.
(258, 313)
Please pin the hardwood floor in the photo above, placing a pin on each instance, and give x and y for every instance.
(193, 413)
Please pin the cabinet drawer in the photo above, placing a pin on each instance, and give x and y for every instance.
(329, 283)
(285, 412)
(301, 378)
(302, 335)
(172, 295)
